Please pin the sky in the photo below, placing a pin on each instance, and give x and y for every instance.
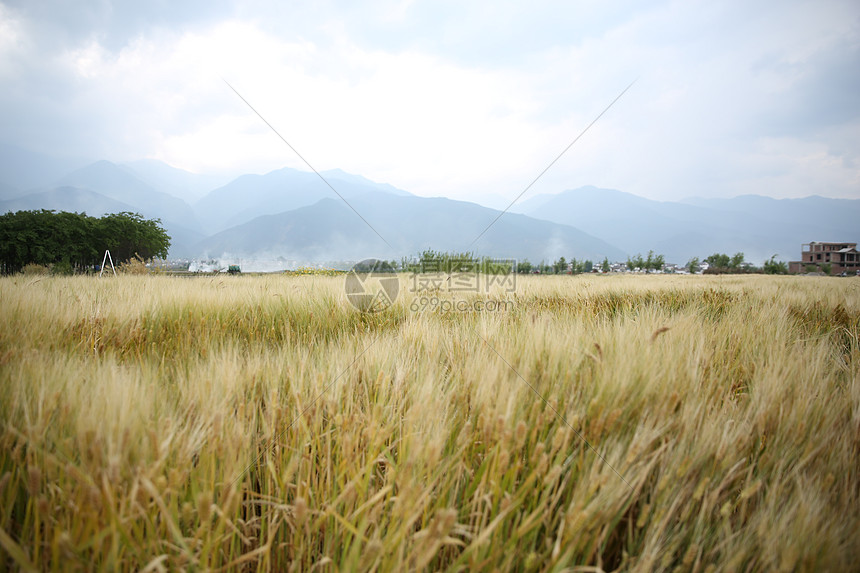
(469, 100)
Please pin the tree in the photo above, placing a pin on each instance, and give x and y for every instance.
(737, 261)
(658, 263)
(128, 235)
(774, 267)
(559, 266)
(718, 261)
(693, 265)
(524, 267)
(578, 267)
(75, 241)
(587, 266)
(605, 265)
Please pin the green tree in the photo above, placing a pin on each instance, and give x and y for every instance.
(693, 265)
(128, 235)
(524, 267)
(718, 261)
(605, 265)
(737, 261)
(75, 241)
(658, 263)
(578, 267)
(774, 267)
(560, 266)
(587, 266)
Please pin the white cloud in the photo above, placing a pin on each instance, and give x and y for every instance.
(727, 101)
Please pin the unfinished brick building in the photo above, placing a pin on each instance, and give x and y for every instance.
(842, 257)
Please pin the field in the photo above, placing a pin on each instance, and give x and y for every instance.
(636, 423)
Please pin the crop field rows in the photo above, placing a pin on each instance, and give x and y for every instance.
(635, 423)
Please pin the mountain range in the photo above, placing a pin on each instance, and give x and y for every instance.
(338, 216)
(758, 226)
(398, 225)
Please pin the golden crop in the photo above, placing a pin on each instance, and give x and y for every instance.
(261, 423)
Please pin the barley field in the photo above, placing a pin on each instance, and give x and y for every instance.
(597, 423)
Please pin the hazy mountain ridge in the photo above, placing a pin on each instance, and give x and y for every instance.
(330, 230)
(120, 183)
(66, 198)
(23, 171)
(242, 215)
(756, 225)
(190, 187)
(250, 196)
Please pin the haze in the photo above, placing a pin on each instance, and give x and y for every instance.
(469, 101)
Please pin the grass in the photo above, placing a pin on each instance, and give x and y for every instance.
(261, 423)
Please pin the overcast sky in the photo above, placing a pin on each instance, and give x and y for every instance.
(450, 98)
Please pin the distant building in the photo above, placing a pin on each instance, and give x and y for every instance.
(842, 257)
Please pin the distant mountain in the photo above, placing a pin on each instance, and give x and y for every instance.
(250, 196)
(8, 191)
(757, 226)
(283, 210)
(190, 187)
(839, 215)
(494, 201)
(69, 199)
(122, 184)
(22, 170)
(330, 230)
(340, 175)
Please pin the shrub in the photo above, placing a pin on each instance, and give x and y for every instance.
(34, 269)
(62, 268)
(135, 266)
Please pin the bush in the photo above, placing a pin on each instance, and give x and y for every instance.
(135, 266)
(63, 268)
(34, 269)
(774, 267)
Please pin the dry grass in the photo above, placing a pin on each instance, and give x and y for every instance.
(260, 423)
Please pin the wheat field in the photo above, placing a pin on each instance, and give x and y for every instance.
(633, 423)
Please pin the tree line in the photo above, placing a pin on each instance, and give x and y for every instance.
(717, 263)
(431, 261)
(76, 242)
(721, 263)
